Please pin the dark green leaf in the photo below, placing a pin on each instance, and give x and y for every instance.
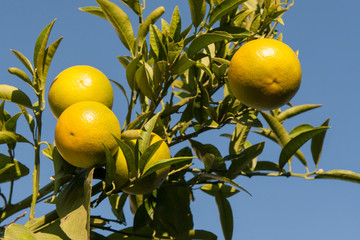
(209, 155)
(29, 118)
(162, 164)
(291, 112)
(344, 175)
(134, 5)
(15, 95)
(141, 218)
(11, 169)
(197, 11)
(317, 144)
(204, 40)
(117, 204)
(94, 10)
(121, 23)
(21, 74)
(267, 166)
(24, 61)
(242, 160)
(294, 144)
(151, 19)
(224, 179)
(172, 213)
(199, 235)
(213, 189)
(222, 9)
(226, 216)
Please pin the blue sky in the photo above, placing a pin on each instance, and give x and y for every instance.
(326, 36)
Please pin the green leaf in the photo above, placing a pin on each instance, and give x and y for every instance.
(181, 64)
(172, 213)
(122, 89)
(109, 168)
(213, 189)
(267, 166)
(143, 82)
(317, 144)
(226, 215)
(11, 169)
(121, 23)
(197, 11)
(117, 204)
(151, 19)
(278, 129)
(199, 235)
(204, 40)
(94, 10)
(175, 25)
(224, 179)
(240, 161)
(162, 164)
(131, 162)
(16, 231)
(10, 125)
(222, 9)
(209, 155)
(291, 112)
(49, 54)
(15, 95)
(21, 74)
(40, 50)
(238, 139)
(344, 175)
(24, 61)
(134, 5)
(299, 129)
(12, 137)
(294, 144)
(29, 118)
(148, 153)
(147, 130)
(73, 206)
(131, 70)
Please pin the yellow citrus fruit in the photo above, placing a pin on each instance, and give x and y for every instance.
(82, 131)
(79, 83)
(150, 182)
(264, 74)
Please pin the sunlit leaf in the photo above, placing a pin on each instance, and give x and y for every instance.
(291, 112)
(120, 21)
(132, 164)
(317, 144)
(344, 175)
(24, 61)
(175, 25)
(49, 54)
(222, 9)
(16, 231)
(294, 144)
(213, 189)
(21, 74)
(181, 64)
(134, 5)
(11, 137)
(148, 153)
(15, 95)
(94, 10)
(142, 80)
(131, 69)
(197, 11)
(151, 19)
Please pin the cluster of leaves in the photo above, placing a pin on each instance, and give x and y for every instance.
(177, 85)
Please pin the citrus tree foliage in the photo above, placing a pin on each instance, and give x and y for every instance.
(176, 87)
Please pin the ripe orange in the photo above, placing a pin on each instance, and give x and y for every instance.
(264, 74)
(150, 182)
(79, 83)
(81, 131)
